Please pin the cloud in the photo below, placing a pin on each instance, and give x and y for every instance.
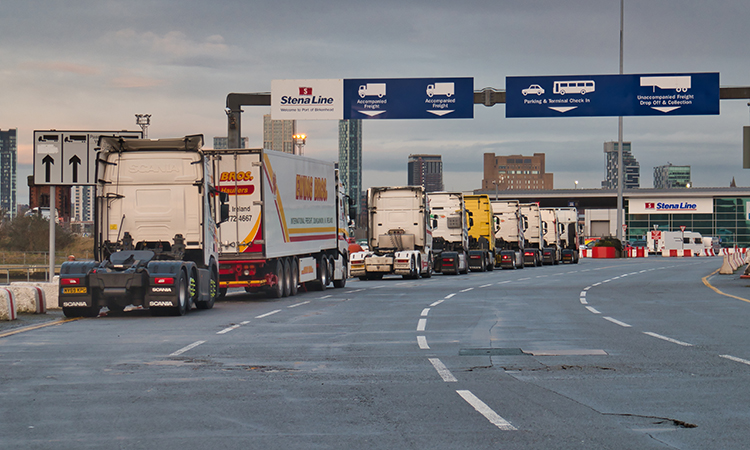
(175, 45)
(60, 67)
(133, 81)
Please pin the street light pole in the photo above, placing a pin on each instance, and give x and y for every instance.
(620, 171)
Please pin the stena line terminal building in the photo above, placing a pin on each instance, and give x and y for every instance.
(719, 212)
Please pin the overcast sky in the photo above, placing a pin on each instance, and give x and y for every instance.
(92, 65)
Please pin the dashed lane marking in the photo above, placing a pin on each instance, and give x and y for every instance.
(486, 411)
(186, 348)
(443, 371)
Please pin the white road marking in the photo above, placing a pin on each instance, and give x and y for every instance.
(467, 289)
(422, 324)
(524, 279)
(506, 281)
(425, 312)
(227, 330)
(437, 303)
(443, 371)
(449, 296)
(583, 293)
(244, 322)
(622, 324)
(736, 359)
(422, 341)
(593, 310)
(189, 347)
(583, 301)
(596, 284)
(298, 304)
(331, 295)
(351, 292)
(486, 411)
(587, 288)
(268, 314)
(668, 339)
(484, 286)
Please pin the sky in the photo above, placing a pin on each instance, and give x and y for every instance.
(93, 65)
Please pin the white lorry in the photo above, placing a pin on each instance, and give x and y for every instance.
(450, 234)
(532, 234)
(155, 239)
(551, 250)
(288, 222)
(567, 223)
(399, 234)
(509, 240)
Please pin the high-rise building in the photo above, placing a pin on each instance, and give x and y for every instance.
(278, 134)
(669, 176)
(222, 142)
(350, 159)
(516, 172)
(426, 171)
(631, 168)
(8, 167)
(82, 210)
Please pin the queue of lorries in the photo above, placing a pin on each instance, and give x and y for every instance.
(413, 233)
(176, 226)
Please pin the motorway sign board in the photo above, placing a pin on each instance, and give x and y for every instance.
(612, 95)
(409, 98)
(68, 158)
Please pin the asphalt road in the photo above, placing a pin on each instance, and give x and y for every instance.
(606, 354)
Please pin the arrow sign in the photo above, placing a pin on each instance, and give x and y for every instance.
(75, 161)
(48, 161)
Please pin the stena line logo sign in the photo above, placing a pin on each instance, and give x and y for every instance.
(671, 206)
(307, 99)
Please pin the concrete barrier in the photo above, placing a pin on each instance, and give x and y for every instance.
(29, 299)
(7, 304)
(50, 291)
(677, 253)
(637, 252)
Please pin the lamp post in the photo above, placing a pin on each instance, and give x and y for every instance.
(299, 142)
(143, 121)
(576, 184)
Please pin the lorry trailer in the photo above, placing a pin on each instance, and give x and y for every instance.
(287, 226)
(481, 232)
(450, 234)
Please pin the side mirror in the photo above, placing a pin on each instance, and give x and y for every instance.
(224, 207)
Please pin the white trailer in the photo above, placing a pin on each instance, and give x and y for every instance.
(450, 234)
(532, 233)
(509, 240)
(399, 234)
(155, 238)
(681, 240)
(287, 227)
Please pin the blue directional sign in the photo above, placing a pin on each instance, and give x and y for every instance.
(409, 98)
(612, 95)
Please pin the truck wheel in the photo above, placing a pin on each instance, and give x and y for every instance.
(428, 274)
(183, 295)
(338, 284)
(277, 290)
(412, 270)
(322, 282)
(213, 291)
(294, 269)
(286, 284)
(466, 269)
(490, 263)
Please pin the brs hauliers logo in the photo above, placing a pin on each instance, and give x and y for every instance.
(682, 206)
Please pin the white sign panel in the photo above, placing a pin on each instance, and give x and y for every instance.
(659, 205)
(68, 158)
(307, 99)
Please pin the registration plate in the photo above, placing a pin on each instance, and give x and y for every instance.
(74, 290)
